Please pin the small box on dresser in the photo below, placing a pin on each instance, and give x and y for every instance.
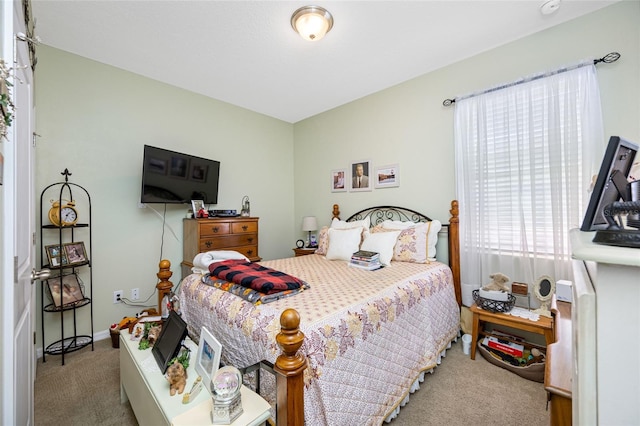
(229, 233)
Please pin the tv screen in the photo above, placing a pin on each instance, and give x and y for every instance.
(173, 177)
(611, 183)
(174, 331)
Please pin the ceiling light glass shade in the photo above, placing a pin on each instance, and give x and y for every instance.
(312, 22)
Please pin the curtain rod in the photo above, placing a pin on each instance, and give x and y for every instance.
(607, 59)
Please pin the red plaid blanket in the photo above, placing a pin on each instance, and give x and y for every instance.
(254, 276)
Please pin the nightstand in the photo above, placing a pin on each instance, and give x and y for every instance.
(543, 326)
(304, 251)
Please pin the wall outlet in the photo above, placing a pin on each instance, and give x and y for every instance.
(117, 296)
(135, 293)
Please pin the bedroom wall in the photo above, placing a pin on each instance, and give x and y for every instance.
(94, 120)
(407, 124)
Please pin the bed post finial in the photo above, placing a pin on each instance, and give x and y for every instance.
(290, 365)
(164, 286)
(336, 212)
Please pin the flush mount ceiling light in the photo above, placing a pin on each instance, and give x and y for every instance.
(312, 22)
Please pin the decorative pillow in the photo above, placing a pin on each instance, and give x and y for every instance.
(323, 241)
(343, 243)
(362, 224)
(383, 243)
(416, 242)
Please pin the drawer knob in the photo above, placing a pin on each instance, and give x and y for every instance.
(249, 252)
(250, 239)
(245, 227)
(208, 243)
(215, 229)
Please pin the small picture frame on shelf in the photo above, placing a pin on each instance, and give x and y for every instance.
(56, 255)
(75, 252)
(198, 208)
(65, 290)
(208, 359)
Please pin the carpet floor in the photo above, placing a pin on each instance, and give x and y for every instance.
(86, 391)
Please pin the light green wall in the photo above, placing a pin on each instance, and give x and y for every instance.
(94, 120)
(407, 124)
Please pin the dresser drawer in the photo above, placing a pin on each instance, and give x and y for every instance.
(244, 227)
(226, 241)
(250, 251)
(214, 228)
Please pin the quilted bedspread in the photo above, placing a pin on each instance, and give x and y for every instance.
(368, 334)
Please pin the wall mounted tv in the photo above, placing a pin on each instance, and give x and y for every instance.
(173, 177)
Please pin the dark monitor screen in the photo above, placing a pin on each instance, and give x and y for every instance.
(611, 183)
(174, 331)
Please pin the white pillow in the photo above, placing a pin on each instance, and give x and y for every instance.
(343, 243)
(383, 243)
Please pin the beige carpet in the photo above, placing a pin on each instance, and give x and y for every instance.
(86, 391)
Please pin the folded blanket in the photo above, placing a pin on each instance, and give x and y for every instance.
(248, 294)
(202, 260)
(254, 276)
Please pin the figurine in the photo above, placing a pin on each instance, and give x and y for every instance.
(177, 377)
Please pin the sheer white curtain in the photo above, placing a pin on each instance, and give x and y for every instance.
(525, 154)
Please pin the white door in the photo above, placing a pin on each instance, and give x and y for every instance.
(18, 227)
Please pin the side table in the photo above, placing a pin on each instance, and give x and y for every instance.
(543, 326)
(304, 251)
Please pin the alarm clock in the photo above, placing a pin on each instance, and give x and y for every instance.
(299, 243)
(65, 215)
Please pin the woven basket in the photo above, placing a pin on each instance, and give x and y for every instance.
(494, 305)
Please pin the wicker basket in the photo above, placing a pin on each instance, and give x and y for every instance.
(494, 305)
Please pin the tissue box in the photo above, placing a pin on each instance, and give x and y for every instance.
(563, 291)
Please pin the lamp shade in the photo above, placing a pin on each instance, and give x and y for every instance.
(309, 223)
(312, 22)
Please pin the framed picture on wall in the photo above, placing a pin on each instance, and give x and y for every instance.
(360, 176)
(339, 180)
(387, 176)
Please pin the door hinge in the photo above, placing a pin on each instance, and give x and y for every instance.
(34, 136)
(34, 338)
(15, 269)
(33, 238)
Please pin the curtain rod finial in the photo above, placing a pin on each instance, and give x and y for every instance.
(448, 102)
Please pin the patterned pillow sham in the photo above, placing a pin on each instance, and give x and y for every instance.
(416, 242)
(323, 241)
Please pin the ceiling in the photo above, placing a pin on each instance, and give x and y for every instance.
(246, 53)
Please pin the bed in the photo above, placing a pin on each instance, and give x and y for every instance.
(370, 336)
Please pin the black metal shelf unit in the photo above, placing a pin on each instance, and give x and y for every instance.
(65, 290)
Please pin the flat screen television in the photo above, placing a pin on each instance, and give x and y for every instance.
(611, 184)
(173, 177)
(167, 346)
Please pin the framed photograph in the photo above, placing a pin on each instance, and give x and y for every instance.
(56, 255)
(198, 172)
(388, 176)
(339, 180)
(196, 206)
(75, 252)
(208, 359)
(65, 290)
(360, 176)
(157, 165)
(179, 167)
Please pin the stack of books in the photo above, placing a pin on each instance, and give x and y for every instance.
(367, 260)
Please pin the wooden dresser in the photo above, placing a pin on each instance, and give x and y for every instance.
(229, 233)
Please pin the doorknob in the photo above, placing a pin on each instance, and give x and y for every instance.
(40, 275)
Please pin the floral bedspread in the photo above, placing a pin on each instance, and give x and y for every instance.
(368, 334)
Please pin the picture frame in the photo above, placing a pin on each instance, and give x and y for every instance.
(65, 290)
(339, 180)
(179, 167)
(360, 182)
(387, 176)
(208, 358)
(75, 252)
(196, 206)
(56, 255)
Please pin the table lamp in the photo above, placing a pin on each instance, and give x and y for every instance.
(309, 223)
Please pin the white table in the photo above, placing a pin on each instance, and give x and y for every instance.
(146, 388)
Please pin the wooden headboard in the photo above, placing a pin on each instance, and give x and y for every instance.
(379, 214)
